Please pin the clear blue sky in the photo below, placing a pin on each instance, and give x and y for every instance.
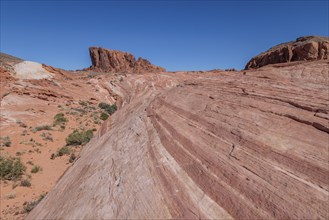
(178, 35)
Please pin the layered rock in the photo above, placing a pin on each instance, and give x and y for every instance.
(223, 145)
(104, 60)
(304, 48)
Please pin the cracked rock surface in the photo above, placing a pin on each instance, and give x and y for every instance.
(214, 145)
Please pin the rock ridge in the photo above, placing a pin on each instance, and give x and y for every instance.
(306, 48)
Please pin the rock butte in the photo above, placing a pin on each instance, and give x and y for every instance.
(104, 60)
(218, 145)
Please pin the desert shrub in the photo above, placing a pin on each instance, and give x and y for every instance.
(59, 119)
(110, 109)
(36, 169)
(52, 156)
(103, 105)
(230, 70)
(25, 183)
(83, 103)
(42, 127)
(79, 137)
(5, 141)
(11, 168)
(72, 158)
(30, 205)
(47, 136)
(62, 151)
(104, 116)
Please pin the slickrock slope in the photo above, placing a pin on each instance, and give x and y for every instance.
(104, 60)
(28, 107)
(304, 48)
(224, 145)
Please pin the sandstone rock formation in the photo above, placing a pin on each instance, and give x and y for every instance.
(104, 60)
(304, 48)
(224, 145)
(33, 101)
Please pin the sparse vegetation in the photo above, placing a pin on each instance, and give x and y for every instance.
(18, 153)
(83, 103)
(30, 205)
(230, 70)
(5, 141)
(79, 137)
(104, 116)
(110, 109)
(11, 168)
(22, 124)
(63, 151)
(46, 136)
(36, 169)
(37, 150)
(26, 183)
(59, 119)
(42, 127)
(24, 133)
(72, 158)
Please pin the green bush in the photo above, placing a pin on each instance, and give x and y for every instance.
(36, 169)
(62, 151)
(11, 168)
(79, 137)
(104, 116)
(110, 109)
(25, 183)
(59, 119)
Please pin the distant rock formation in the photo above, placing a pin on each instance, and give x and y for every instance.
(104, 60)
(304, 48)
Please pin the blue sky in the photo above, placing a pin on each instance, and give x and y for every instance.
(178, 35)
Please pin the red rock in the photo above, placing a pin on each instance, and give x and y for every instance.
(304, 48)
(213, 145)
(104, 60)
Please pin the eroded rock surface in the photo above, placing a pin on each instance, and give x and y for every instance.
(216, 145)
(304, 48)
(105, 60)
(28, 101)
